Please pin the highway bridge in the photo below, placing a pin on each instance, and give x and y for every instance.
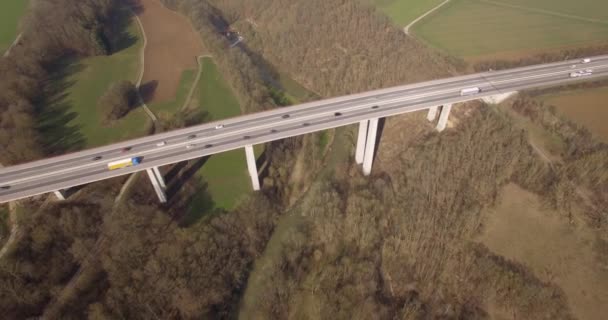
(62, 172)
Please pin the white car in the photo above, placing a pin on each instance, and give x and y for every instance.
(190, 146)
(219, 126)
(586, 60)
(162, 143)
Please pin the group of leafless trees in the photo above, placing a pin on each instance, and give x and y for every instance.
(398, 246)
(118, 100)
(52, 30)
(394, 246)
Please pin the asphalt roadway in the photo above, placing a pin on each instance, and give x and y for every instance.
(62, 172)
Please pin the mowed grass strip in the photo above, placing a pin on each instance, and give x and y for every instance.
(402, 12)
(170, 108)
(473, 28)
(587, 107)
(90, 83)
(10, 13)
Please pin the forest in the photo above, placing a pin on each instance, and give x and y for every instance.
(53, 30)
(396, 245)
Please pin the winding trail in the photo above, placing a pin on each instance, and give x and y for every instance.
(8, 51)
(196, 80)
(406, 29)
(142, 60)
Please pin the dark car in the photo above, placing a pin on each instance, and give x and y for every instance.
(192, 136)
(97, 158)
(125, 149)
(5, 187)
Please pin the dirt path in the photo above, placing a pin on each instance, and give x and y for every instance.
(8, 51)
(172, 47)
(142, 68)
(196, 80)
(406, 29)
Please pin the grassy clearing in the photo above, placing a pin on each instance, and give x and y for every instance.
(521, 228)
(172, 107)
(586, 107)
(93, 77)
(475, 29)
(402, 12)
(225, 173)
(10, 13)
(294, 90)
(592, 9)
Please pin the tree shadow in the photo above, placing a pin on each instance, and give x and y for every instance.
(119, 36)
(184, 175)
(54, 112)
(147, 90)
(194, 201)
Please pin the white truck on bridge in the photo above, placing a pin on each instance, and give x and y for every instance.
(469, 91)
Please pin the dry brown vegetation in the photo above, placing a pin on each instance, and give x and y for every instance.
(172, 47)
(398, 245)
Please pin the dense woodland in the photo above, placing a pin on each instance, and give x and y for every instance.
(339, 246)
(53, 30)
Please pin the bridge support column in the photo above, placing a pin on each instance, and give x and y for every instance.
(432, 113)
(361, 141)
(252, 166)
(370, 145)
(443, 117)
(156, 183)
(59, 194)
(159, 177)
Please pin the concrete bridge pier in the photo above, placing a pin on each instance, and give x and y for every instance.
(59, 194)
(443, 117)
(370, 146)
(432, 113)
(361, 140)
(252, 167)
(158, 183)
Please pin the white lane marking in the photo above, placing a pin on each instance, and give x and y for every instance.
(289, 121)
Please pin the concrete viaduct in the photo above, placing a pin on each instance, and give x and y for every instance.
(365, 109)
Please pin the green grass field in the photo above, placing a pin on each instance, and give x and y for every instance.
(587, 107)
(294, 90)
(10, 13)
(592, 9)
(89, 83)
(403, 12)
(475, 29)
(225, 173)
(172, 107)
